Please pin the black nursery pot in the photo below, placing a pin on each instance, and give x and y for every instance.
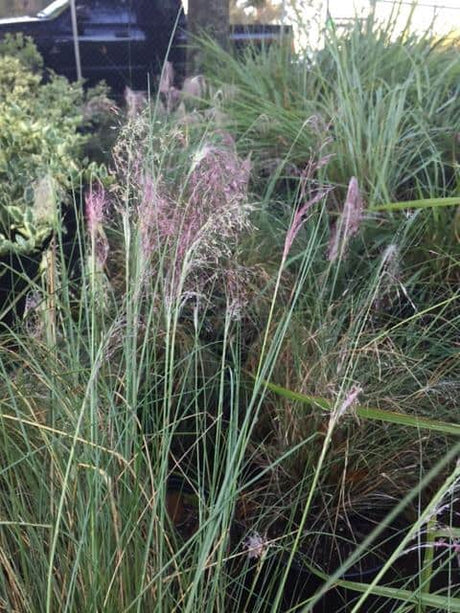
(15, 272)
(301, 585)
(18, 272)
(333, 550)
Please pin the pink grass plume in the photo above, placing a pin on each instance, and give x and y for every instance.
(97, 206)
(301, 214)
(348, 225)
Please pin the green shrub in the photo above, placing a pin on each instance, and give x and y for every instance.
(23, 48)
(41, 146)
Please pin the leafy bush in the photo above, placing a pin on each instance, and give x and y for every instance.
(41, 146)
(23, 48)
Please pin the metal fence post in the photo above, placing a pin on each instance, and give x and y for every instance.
(75, 39)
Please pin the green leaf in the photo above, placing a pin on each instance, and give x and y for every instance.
(15, 213)
(419, 423)
(441, 603)
(426, 203)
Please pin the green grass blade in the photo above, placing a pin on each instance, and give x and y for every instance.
(428, 600)
(374, 414)
(425, 203)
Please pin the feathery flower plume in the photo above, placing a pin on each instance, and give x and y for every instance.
(197, 235)
(449, 499)
(170, 94)
(389, 278)
(256, 545)
(156, 215)
(390, 260)
(298, 220)
(194, 87)
(453, 545)
(349, 401)
(348, 224)
(300, 215)
(136, 102)
(96, 214)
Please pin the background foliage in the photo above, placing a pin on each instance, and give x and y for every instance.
(42, 146)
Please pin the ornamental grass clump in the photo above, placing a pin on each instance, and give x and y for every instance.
(190, 228)
(209, 216)
(388, 95)
(262, 415)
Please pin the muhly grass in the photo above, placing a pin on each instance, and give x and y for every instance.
(240, 398)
